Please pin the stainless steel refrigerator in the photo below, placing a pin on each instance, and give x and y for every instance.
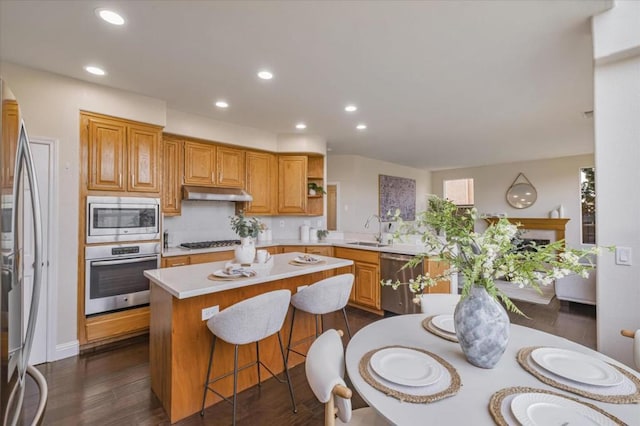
(17, 321)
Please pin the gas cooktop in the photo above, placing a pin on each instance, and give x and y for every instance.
(209, 244)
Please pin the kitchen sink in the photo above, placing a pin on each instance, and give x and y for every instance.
(368, 244)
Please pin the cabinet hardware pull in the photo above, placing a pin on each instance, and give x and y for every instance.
(178, 264)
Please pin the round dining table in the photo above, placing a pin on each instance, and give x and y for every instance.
(470, 405)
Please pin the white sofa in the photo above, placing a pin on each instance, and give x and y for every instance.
(574, 288)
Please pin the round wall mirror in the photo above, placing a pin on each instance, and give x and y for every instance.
(521, 195)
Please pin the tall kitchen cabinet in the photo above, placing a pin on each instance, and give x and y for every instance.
(121, 155)
(172, 174)
(213, 165)
(118, 157)
(292, 184)
(10, 123)
(261, 182)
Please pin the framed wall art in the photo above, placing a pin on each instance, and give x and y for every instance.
(397, 193)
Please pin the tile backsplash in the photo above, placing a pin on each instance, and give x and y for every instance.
(209, 220)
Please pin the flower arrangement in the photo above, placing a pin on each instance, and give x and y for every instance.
(481, 258)
(245, 227)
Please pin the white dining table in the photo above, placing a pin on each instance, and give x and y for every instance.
(471, 404)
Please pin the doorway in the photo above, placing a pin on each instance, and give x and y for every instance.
(332, 206)
(43, 349)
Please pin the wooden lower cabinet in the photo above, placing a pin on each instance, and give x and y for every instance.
(193, 259)
(101, 328)
(366, 286)
(319, 250)
(437, 267)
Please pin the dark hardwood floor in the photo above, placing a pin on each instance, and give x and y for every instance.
(111, 386)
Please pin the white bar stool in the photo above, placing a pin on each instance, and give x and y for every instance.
(246, 322)
(324, 368)
(323, 297)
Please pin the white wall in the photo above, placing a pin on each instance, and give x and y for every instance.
(358, 180)
(50, 105)
(617, 147)
(197, 126)
(557, 181)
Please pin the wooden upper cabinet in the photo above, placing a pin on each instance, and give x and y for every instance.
(230, 167)
(10, 129)
(199, 164)
(106, 139)
(262, 182)
(292, 184)
(172, 172)
(120, 155)
(144, 159)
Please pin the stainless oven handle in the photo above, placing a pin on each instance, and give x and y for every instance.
(123, 261)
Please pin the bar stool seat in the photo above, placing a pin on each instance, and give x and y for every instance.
(323, 297)
(247, 322)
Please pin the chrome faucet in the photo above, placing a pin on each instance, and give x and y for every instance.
(378, 237)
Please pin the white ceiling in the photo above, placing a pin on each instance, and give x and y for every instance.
(441, 84)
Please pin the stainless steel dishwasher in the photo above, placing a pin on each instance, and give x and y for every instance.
(399, 301)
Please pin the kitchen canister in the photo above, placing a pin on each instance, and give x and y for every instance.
(313, 234)
(304, 233)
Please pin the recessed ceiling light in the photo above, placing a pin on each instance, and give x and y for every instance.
(351, 108)
(222, 104)
(301, 126)
(265, 75)
(94, 70)
(110, 16)
(361, 126)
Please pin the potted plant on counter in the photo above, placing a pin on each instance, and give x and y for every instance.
(481, 323)
(247, 229)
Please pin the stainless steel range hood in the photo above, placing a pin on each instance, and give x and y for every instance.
(214, 194)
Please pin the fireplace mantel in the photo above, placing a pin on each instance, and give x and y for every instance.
(529, 223)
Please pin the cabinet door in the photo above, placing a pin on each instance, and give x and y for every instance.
(106, 151)
(292, 184)
(199, 164)
(230, 167)
(144, 159)
(434, 268)
(367, 284)
(320, 250)
(172, 159)
(261, 182)
(170, 262)
(10, 129)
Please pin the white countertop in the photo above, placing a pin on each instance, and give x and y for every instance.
(397, 248)
(189, 281)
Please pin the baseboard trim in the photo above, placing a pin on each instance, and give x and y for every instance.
(67, 350)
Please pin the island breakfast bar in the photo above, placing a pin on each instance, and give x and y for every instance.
(179, 341)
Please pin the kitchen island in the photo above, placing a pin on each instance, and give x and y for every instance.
(179, 341)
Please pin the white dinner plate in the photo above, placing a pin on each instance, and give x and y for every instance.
(542, 409)
(224, 274)
(577, 366)
(406, 367)
(444, 323)
(306, 259)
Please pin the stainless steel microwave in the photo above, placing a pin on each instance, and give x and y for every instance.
(115, 219)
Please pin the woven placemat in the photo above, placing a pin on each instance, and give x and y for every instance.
(452, 389)
(524, 359)
(427, 325)
(497, 399)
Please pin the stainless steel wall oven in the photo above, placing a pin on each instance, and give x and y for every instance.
(114, 276)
